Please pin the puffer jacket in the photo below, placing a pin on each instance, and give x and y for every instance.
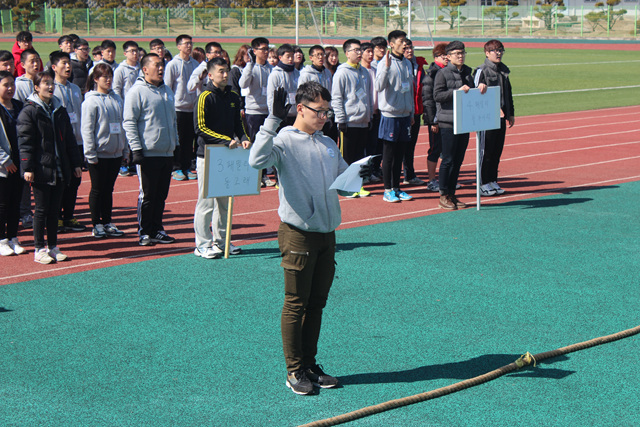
(445, 83)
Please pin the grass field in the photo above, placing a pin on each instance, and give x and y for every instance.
(576, 76)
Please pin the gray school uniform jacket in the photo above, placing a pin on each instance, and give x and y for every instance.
(395, 86)
(150, 119)
(351, 96)
(253, 85)
(113, 65)
(194, 83)
(71, 97)
(281, 78)
(493, 74)
(24, 88)
(310, 74)
(124, 77)
(102, 133)
(176, 75)
(307, 166)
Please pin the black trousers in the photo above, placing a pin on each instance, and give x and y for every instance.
(493, 146)
(354, 142)
(10, 195)
(392, 154)
(47, 199)
(185, 152)
(154, 175)
(70, 193)
(103, 177)
(454, 148)
(410, 149)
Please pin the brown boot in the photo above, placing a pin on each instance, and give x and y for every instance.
(458, 203)
(447, 203)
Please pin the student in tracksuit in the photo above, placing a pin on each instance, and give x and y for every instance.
(150, 128)
(309, 214)
(394, 83)
(71, 97)
(455, 76)
(217, 121)
(352, 102)
(104, 147)
(176, 76)
(494, 73)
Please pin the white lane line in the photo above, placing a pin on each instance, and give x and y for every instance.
(575, 63)
(576, 90)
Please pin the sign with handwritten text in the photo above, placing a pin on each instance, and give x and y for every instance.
(228, 173)
(473, 111)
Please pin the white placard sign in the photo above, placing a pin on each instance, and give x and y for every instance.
(473, 111)
(228, 173)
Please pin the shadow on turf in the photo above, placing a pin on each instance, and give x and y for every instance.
(457, 370)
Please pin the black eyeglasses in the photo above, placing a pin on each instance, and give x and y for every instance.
(497, 50)
(322, 114)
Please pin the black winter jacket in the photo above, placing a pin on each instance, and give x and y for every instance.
(446, 81)
(428, 103)
(493, 74)
(80, 73)
(48, 146)
(217, 118)
(10, 128)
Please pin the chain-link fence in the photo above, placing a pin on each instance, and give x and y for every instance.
(493, 21)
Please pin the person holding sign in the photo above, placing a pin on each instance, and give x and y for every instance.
(455, 76)
(307, 162)
(104, 147)
(217, 120)
(494, 73)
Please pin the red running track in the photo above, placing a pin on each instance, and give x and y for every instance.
(544, 155)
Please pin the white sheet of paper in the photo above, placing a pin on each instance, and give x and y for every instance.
(350, 179)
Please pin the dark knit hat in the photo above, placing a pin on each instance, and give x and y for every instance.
(439, 49)
(454, 45)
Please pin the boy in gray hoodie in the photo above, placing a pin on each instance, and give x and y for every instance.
(310, 212)
(150, 127)
(284, 75)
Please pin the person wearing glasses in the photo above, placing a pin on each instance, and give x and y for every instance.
(494, 73)
(455, 76)
(128, 71)
(81, 64)
(199, 77)
(352, 101)
(176, 76)
(307, 162)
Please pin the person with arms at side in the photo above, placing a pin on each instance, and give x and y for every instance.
(96, 54)
(81, 64)
(455, 76)
(379, 50)
(108, 55)
(352, 101)
(24, 41)
(11, 182)
(176, 76)
(298, 57)
(494, 73)
(284, 75)
(317, 72)
(104, 147)
(49, 157)
(217, 121)
(331, 59)
(149, 122)
(373, 145)
(239, 62)
(309, 212)
(394, 83)
(430, 118)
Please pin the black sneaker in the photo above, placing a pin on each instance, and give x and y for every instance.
(162, 237)
(298, 382)
(317, 376)
(74, 225)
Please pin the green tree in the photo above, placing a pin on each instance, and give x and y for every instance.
(548, 10)
(605, 16)
(25, 12)
(450, 7)
(206, 12)
(74, 13)
(500, 11)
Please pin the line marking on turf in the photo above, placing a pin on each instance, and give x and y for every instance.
(576, 90)
(572, 150)
(573, 167)
(575, 63)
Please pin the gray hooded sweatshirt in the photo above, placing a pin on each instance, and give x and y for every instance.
(124, 77)
(310, 74)
(307, 166)
(352, 97)
(289, 81)
(24, 88)
(395, 87)
(176, 75)
(71, 97)
(253, 85)
(102, 132)
(150, 119)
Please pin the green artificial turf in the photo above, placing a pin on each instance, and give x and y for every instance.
(416, 305)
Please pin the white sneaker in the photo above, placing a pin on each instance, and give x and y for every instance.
(16, 246)
(487, 190)
(433, 186)
(98, 231)
(5, 249)
(496, 187)
(233, 249)
(57, 255)
(208, 253)
(42, 256)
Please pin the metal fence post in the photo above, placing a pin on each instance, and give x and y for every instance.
(271, 21)
(193, 19)
(88, 21)
(141, 22)
(168, 26)
(506, 20)
(115, 25)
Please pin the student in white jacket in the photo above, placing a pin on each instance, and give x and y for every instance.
(104, 147)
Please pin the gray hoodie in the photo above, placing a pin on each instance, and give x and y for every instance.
(71, 97)
(307, 166)
(176, 75)
(124, 77)
(195, 83)
(101, 121)
(150, 119)
(289, 81)
(24, 88)
(310, 74)
(253, 85)
(395, 87)
(352, 97)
